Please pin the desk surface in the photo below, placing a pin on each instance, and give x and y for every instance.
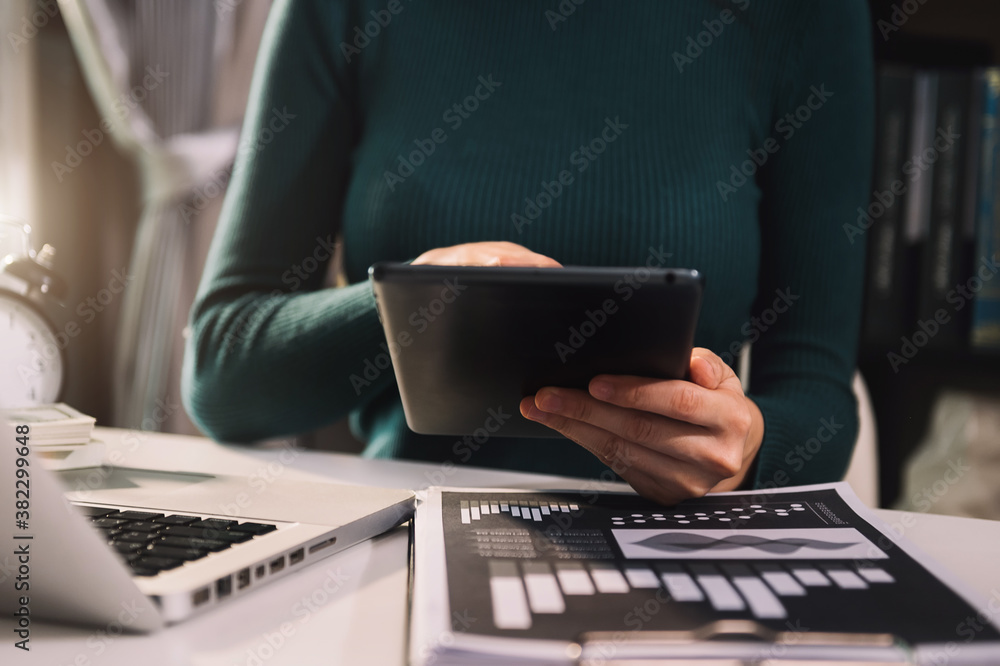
(298, 622)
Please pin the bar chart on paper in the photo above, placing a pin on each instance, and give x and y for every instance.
(547, 565)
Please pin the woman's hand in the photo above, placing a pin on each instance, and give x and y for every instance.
(490, 253)
(670, 439)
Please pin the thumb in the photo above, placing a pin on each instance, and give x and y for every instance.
(705, 370)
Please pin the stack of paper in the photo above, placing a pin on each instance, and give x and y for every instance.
(59, 435)
(53, 425)
(804, 574)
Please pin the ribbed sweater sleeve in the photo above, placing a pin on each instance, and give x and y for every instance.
(802, 365)
(266, 340)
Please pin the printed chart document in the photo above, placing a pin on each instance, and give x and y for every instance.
(566, 577)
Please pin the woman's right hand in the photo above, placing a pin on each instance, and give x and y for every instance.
(488, 253)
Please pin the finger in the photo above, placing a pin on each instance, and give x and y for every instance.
(609, 448)
(654, 475)
(708, 370)
(661, 491)
(679, 441)
(531, 260)
(512, 254)
(660, 433)
(673, 398)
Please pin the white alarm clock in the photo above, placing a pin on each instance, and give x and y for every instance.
(32, 361)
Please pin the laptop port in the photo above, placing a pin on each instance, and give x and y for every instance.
(224, 587)
(278, 564)
(201, 596)
(322, 544)
(243, 578)
(260, 570)
(297, 556)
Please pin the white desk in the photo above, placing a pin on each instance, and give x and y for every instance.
(297, 622)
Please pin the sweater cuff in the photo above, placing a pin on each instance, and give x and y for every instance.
(779, 439)
(804, 445)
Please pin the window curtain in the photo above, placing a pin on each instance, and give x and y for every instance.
(170, 81)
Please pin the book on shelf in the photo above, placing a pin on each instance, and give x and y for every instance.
(947, 241)
(934, 217)
(885, 312)
(986, 307)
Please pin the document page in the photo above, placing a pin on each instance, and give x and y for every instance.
(547, 576)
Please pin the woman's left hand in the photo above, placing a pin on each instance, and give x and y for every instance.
(670, 439)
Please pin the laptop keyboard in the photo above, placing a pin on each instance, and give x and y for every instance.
(155, 542)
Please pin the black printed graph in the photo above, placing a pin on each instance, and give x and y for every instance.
(770, 544)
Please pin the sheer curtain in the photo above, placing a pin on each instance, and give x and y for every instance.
(170, 79)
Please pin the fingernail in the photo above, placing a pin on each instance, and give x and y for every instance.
(550, 402)
(601, 389)
(534, 413)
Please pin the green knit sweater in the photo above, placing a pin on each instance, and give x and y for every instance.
(732, 137)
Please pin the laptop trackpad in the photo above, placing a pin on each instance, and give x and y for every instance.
(126, 486)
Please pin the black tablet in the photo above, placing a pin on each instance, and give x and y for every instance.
(468, 343)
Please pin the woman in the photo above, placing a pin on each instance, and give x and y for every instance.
(731, 137)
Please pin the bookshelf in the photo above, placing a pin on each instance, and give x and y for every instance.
(935, 33)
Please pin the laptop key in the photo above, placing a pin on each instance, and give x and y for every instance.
(136, 537)
(214, 524)
(186, 531)
(232, 537)
(253, 528)
(158, 563)
(175, 519)
(193, 542)
(136, 515)
(108, 522)
(142, 571)
(127, 547)
(94, 511)
(143, 527)
(186, 554)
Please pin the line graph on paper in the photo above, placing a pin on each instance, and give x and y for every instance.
(837, 543)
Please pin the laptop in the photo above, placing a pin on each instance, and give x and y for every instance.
(141, 549)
